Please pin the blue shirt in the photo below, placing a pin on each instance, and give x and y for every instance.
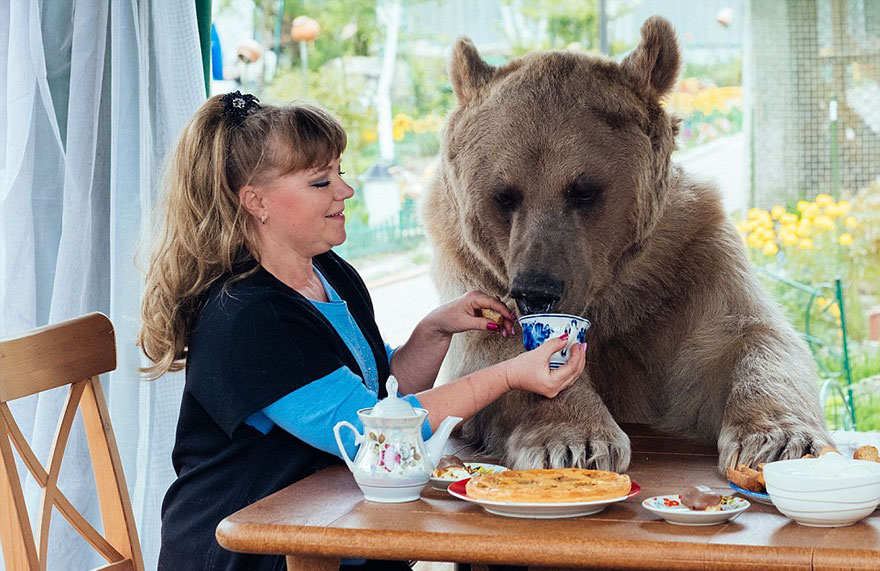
(311, 412)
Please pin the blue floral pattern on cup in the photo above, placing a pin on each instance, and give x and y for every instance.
(534, 334)
(539, 327)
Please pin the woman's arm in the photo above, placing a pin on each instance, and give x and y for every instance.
(529, 371)
(416, 362)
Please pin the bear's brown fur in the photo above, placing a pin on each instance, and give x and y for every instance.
(556, 191)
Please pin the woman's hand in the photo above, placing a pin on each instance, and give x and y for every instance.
(464, 314)
(531, 371)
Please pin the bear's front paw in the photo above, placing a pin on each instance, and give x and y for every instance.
(567, 445)
(751, 444)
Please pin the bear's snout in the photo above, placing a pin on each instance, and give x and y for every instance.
(536, 292)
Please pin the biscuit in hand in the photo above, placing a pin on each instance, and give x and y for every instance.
(492, 315)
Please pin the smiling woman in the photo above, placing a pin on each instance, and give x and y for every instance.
(276, 331)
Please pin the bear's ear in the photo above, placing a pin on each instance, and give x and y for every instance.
(654, 63)
(467, 70)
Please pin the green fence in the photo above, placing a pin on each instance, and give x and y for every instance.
(404, 233)
(823, 326)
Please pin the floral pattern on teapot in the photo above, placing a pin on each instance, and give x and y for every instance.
(392, 457)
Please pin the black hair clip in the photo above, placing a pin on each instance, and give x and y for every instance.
(239, 105)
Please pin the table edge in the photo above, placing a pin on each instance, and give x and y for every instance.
(427, 546)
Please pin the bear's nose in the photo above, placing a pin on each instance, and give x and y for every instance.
(536, 292)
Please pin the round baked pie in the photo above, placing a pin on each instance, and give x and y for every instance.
(553, 485)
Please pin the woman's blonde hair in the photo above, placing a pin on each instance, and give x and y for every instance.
(205, 231)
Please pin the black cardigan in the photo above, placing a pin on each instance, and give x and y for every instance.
(254, 341)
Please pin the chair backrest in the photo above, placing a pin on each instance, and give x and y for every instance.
(71, 353)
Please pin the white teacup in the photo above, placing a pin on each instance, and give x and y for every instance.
(539, 327)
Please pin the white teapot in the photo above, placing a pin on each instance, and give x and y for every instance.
(394, 462)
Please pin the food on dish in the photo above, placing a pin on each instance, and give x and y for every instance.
(701, 498)
(746, 478)
(554, 485)
(753, 480)
(828, 450)
(492, 315)
(452, 468)
(866, 453)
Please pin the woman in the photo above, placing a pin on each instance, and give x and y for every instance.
(275, 330)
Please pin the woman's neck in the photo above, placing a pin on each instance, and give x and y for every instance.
(298, 273)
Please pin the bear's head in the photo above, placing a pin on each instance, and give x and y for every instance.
(556, 165)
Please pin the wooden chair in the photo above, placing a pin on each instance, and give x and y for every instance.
(71, 353)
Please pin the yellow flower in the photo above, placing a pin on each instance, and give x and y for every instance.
(810, 211)
(788, 218)
(370, 136)
(825, 222)
(824, 200)
(803, 228)
(834, 210)
(403, 121)
(398, 132)
(770, 248)
(767, 233)
(788, 238)
(744, 226)
(805, 244)
(758, 214)
(802, 204)
(844, 207)
(851, 222)
(834, 310)
(845, 239)
(755, 240)
(777, 212)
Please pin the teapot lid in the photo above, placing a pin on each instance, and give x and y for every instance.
(393, 406)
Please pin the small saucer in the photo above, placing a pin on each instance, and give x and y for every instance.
(671, 509)
(475, 468)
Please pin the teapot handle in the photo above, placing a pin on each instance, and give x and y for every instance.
(358, 437)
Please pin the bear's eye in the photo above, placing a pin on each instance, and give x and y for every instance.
(584, 193)
(507, 198)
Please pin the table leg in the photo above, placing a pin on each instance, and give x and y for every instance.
(310, 563)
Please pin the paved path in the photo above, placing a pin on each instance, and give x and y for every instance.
(402, 304)
(724, 162)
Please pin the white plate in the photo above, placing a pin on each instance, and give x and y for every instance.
(760, 497)
(536, 510)
(670, 508)
(443, 483)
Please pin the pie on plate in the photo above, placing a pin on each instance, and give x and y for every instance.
(552, 485)
(539, 510)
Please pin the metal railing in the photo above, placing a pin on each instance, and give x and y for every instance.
(401, 234)
(833, 390)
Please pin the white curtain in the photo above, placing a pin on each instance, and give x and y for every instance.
(93, 95)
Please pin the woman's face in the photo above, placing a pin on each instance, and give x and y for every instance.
(304, 211)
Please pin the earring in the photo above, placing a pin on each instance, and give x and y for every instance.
(264, 217)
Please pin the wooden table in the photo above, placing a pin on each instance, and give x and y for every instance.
(318, 520)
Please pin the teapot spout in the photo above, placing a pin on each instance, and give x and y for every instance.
(435, 444)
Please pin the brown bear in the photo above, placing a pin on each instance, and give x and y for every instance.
(556, 193)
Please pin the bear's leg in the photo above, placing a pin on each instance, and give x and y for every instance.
(773, 410)
(575, 429)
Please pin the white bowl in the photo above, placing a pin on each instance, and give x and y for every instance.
(829, 491)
